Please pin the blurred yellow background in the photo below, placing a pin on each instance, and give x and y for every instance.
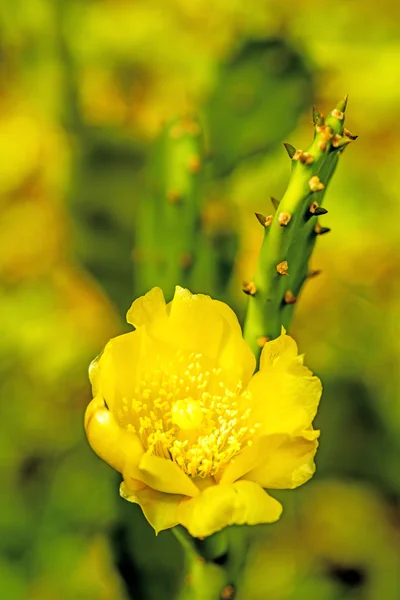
(85, 89)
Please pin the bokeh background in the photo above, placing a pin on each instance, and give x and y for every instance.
(86, 91)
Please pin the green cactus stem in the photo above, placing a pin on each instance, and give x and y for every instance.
(169, 217)
(214, 565)
(290, 235)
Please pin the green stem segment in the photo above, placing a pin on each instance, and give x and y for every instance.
(290, 235)
(214, 565)
(168, 219)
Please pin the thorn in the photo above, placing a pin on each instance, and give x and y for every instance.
(341, 106)
(321, 230)
(350, 135)
(265, 221)
(249, 288)
(339, 143)
(261, 341)
(313, 273)
(289, 149)
(261, 218)
(316, 115)
(320, 210)
(282, 267)
(315, 184)
(315, 210)
(289, 298)
(275, 202)
(284, 218)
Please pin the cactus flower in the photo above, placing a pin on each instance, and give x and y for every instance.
(196, 436)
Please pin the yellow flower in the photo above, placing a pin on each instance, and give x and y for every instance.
(196, 436)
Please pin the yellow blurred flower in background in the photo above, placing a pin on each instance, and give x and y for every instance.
(196, 436)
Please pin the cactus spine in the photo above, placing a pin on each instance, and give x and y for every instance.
(290, 235)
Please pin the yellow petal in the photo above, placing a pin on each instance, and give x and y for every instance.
(278, 353)
(243, 502)
(235, 351)
(248, 459)
(147, 308)
(288, 465)
(161, 510)
(195, 325)
(112, 443)
(208, 327)
(283, 402)
(115, 373)
(165, 476)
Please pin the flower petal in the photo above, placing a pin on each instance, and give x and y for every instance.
(289, 465)
(247, 460)
(235, 350)
(147, 308)
(114, 373)
(111, 442)
(194, 323)
(166, 476)
(161, 510)
(278, 353)
(243, 502)
(284, 402)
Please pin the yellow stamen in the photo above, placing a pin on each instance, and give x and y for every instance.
(186, 412)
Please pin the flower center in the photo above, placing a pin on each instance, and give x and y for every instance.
(186, 412)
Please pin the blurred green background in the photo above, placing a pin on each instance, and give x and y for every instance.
(86, 88)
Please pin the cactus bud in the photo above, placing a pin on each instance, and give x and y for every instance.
(282, 267)
(249, 288)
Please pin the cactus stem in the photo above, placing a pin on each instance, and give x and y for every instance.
(269, 310)
(249, 288)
